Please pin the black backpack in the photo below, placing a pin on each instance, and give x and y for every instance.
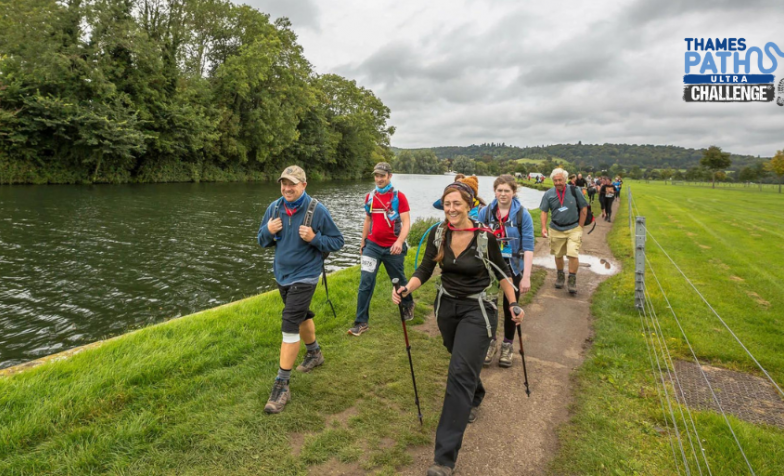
(589, 218)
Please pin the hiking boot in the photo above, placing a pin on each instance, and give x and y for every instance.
(408, 312)
(559, 281)
(279, 397)
(438, 470)
(474, 413)
(506, 355)
(358, 329)
(572, 284)
(490, 353)
(313, 359)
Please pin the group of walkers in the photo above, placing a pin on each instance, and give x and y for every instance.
(608, 190)
(474, 245)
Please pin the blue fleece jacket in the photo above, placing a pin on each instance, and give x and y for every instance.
(296, 260)
(518, 243)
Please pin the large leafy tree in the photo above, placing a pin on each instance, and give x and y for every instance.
(776, 165)
(464, 165)
(141, 90)
(715, 160)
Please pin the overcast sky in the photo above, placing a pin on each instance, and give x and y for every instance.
(459, 72)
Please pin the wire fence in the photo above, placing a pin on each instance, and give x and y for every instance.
(688, 448)
(757, 186)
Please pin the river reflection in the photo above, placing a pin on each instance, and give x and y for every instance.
(82, 263)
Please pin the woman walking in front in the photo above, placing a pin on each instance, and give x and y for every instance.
(467, 317)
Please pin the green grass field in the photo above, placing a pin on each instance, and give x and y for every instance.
(529, 161)
(752, 187)
(186, 397)
(729, 242)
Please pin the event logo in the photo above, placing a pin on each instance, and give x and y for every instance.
(731, 77)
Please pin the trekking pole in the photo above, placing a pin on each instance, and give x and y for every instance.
(396, 284)
(522, 352)
(326, 289)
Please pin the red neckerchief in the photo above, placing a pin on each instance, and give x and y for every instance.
(560, 197)
(481, 228)
(290, 211)
(501, 231)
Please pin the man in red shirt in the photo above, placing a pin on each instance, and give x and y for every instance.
(384, 233)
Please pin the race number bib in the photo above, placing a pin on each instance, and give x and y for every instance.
(506, 249)
(369, 264)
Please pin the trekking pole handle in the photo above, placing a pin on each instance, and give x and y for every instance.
(396, 284)
(517, 310)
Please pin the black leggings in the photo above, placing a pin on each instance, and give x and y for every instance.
(509, 324)
(464, 332)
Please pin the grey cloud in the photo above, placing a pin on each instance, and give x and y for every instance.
(302, 13)
(646, 11)
(609, 81)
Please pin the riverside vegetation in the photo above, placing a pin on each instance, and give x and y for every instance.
(187, 396)
(170, 90)
(729, 243)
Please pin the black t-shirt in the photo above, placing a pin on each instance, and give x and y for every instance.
(463, 275)
(580, 182)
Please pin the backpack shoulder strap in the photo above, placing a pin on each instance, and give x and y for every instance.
(277, 208)
(483, 254)
(574, 194)
(309, 213)
(481, 245)
(439, 237)
(520, 220)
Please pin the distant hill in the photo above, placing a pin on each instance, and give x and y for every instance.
(593, 155)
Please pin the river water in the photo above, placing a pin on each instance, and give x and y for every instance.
(83, 263)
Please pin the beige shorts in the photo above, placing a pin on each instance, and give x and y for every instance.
(565, 242)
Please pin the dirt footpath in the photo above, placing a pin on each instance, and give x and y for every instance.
(516, 435)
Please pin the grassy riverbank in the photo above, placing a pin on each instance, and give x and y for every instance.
(729, 243)
(544, 186)
(186, 396)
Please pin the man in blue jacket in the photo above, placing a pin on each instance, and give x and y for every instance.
(299, 252)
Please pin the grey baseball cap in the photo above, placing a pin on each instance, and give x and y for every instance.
(382, 167)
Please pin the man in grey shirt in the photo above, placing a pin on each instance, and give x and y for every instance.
(568, 208)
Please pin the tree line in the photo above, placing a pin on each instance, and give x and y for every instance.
(171, 90)
(711, 164)
(595, 156)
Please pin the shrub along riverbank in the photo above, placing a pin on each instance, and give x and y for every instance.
(725, 241)
(187, 396)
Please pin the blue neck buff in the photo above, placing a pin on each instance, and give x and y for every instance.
(296, 203)
(385, 189)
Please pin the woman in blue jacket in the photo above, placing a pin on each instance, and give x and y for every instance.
(513, 227)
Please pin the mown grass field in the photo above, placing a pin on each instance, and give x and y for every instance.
(730, 243)
(186, 397)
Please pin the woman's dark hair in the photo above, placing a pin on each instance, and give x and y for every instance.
(506, 179)
(466, 197)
